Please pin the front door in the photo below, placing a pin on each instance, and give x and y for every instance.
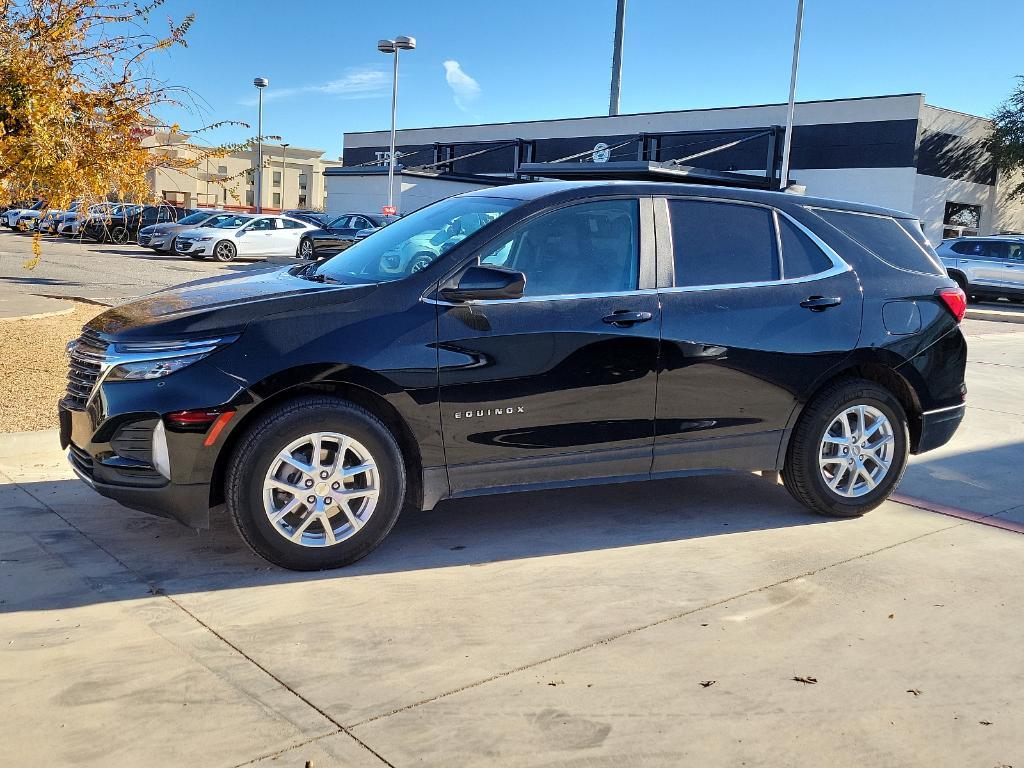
(558, 385)
(746, 330)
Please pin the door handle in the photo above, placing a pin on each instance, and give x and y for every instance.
(821, 303)
(624, 318)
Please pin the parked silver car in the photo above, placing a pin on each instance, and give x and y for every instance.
(986, 267)
(160, 237)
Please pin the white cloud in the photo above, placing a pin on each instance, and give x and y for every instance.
(356, 83)
(465, 89)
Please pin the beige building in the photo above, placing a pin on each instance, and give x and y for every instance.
(292, 176)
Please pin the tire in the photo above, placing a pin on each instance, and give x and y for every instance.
(960, 280)
(224, 250)
(256, 460)
(119, 235)
(306, 250)
(809, 484)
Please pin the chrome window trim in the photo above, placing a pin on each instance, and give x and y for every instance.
(537, 299)
(839, 266)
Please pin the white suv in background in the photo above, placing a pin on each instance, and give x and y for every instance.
(243, 235)
(986, 267)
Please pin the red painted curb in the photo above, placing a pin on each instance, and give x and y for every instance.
(961, 514)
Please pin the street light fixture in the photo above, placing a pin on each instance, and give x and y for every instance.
(260, 83)
(401, 43)
(284, 162)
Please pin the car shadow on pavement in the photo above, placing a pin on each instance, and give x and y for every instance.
(144, 553)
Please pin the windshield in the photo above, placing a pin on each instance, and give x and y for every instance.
(415, 241)
(195, 218)
(231, 221)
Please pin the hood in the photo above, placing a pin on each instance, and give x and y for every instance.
(222, 304)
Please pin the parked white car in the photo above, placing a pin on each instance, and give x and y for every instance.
(12, 216)
(243, 235)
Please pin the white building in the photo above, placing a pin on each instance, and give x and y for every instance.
(893, 151)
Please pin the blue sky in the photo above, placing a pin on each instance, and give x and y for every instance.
(494, 60)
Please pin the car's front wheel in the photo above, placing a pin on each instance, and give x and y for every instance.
(849, 449)
(224, 251)
(316, 484)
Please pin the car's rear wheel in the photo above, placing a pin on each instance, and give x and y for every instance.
(316, 484)
(306, 248)
(224, 251)
(119, 235)
(849, 449)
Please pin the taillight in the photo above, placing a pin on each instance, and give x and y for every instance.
(955, 300)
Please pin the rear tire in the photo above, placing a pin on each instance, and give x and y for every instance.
(119, 236)
(842, 479)
(257, 471)
(224, 251)
(306, 250)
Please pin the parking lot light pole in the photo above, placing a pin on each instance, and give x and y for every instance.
(284, 163)
(787, 143)
(401, 43)
(260, 83)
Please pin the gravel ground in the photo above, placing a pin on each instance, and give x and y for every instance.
(35, 367)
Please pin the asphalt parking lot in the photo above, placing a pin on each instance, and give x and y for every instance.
(705, 621)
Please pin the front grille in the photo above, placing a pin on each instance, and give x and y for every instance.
(80, 460)
(87, 354)
(182, 246)
(145, 239)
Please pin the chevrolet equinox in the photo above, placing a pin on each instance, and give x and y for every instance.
(530, 336)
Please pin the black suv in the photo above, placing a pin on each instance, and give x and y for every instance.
(123, 225)
(583, 333)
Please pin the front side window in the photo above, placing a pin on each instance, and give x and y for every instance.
(339, 223)
(579, 249)
(231, 221)
(415, 241)
(722, 243)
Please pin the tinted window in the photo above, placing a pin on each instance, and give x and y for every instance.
(262, 224)
(289, 224)
(968, 248)
(1016, 252)
(886, 239)
(339, 223)
(800, 256)
(722, 243)
(586, 248)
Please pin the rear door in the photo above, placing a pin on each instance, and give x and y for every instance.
(288, 234)
(754, 310)
(559, 385)
(1013, 266)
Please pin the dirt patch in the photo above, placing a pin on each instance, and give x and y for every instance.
(35, 367)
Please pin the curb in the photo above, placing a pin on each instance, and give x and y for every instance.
(38, 315)
(19, 443)
(995, 316)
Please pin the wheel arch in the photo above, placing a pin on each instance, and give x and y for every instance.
(357, 392)
(883, 368)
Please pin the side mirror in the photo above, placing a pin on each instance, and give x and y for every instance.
(486, 282)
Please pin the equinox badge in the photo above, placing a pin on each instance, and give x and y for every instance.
(490, 412)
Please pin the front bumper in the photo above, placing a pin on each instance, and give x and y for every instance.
(109, 441)
(194, 247)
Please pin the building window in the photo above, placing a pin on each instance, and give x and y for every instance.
(204, 199)
(174, 198)
(277, 199)
(961, 219)
(250, 175)
(302, 201)
(250, 197)
(303, 180)
(222, 170)
(277, 178)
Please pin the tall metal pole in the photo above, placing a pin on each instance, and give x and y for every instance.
(620, 22)
(259, 161)
(284, 161)
(787, 143)
(391, 162)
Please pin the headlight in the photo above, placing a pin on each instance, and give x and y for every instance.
(138, 361)
(206, 237)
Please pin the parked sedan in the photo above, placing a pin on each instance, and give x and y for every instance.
(50, 220)
(123, 225)
(243, 235)
(160, 237)
(338, 234)
(313, 217)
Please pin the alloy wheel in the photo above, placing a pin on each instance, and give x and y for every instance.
(321, 489)
(306, 249)
(856, 451)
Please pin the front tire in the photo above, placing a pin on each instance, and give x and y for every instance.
(224, 251)
(316, 484)
(849, 449)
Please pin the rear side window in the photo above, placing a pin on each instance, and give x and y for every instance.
(886, 239)
(969, 248)
(722, 243)
(800, 256)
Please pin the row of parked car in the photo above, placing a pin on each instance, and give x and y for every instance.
(199, 233)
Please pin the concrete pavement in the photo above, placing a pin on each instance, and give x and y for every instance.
(570, 628)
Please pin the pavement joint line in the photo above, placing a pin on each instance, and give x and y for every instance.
(1000, 365)
(990, 520)
(279, 752)
(993, 410)
(643, 627)
(341, 728)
